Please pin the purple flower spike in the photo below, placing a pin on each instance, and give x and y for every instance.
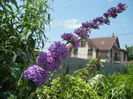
(99, 19)
(71, 39)
(86, 24)
(76, 44)
(121, 7)
(58, 50)
(36, 74)
(113, 12)
(106, 21)
(106, 15)
(90, 25)
(82, 32)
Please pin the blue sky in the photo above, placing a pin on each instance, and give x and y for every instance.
(67, 15)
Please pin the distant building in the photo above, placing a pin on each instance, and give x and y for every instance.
(108, 48)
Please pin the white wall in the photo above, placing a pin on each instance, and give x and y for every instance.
(94, 53)
(82, 52)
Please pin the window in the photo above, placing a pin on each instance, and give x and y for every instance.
(111, 54)
(116, 57)
(124, 56)
(75, 52)
(70, 51)
(102, 42)
(89, 52)
(83, 43)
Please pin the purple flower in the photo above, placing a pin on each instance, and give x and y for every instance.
(47, 61)
(99, 19)
(121, 7)
(106, 21)
(86, 24)
(58, 50)
(52, 63)
(41, 59)
(71, 39)
(106, 15)
(82, 32)
(36, 74)
(112, 12)
(90, 25)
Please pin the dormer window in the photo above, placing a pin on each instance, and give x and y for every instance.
(102, 42)
(83, 43)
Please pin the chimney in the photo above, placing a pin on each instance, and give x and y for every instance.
(113, 35)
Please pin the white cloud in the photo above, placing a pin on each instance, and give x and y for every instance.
(56, 23)
(67, 24)
(71, 23)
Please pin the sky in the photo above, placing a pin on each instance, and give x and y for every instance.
(67, 15)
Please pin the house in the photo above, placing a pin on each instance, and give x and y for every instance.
(107, 47)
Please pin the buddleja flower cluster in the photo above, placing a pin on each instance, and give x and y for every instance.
(50, 61)
(46, 62)
(36, 74)
(86, 27)
(113, 12)
(71, 39)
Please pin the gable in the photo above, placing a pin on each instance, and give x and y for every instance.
(104, 43)
(116, 44)
(83, 43)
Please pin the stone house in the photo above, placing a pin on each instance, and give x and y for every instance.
(108, 48)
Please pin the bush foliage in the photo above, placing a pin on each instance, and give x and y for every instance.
(22, 32)
(86, 84)
(22, 24)
(67, 87)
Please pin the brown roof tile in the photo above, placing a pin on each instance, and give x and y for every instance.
(103, 43)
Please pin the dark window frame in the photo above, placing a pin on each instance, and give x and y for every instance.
(75, 51)
(83, 43)
(90, 52)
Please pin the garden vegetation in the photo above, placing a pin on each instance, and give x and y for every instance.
(26, 75)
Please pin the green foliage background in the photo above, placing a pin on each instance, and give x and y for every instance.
(90, 84)
(22, 25)
(129, 50)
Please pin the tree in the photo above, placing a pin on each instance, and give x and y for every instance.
(22, 25)
(129, 50)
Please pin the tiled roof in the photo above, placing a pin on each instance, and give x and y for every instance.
(103, 43)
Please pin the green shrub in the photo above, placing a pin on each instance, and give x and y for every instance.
(115, 86)
(89, 71)
(67, 87)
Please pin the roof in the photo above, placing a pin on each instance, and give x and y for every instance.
(105, 43)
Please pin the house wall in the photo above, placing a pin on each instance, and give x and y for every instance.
(115, 50)
(83, 51)
(72, 53)
(123, 56)
(105, 56)
(94, 53)
(109, 56)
